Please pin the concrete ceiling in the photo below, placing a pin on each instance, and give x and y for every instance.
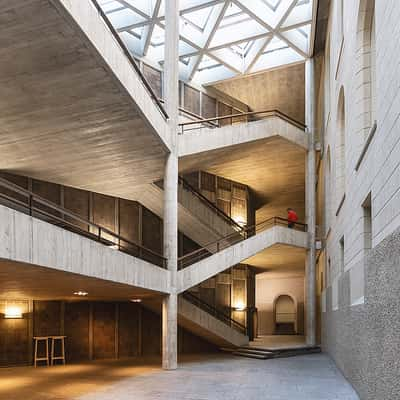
(281, 89)
(279, 261)
(64, 117)
(26, 281)
(273, 168)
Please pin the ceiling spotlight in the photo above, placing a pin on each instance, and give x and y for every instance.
(136, 300)
(81, 293)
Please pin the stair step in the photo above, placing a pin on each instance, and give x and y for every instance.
(254, 351)
(251, 355)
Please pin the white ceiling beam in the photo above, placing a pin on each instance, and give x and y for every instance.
(209, 32)
(149, 29)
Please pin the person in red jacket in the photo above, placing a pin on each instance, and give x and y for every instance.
(292, 218)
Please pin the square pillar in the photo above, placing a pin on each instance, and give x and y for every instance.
(310, 283)
(171, 97)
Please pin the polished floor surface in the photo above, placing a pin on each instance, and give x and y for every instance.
(312, 377)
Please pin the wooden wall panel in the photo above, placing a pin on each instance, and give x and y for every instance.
(224, 109)
(193, 179)
(208, 106)
(207, 181)
(151, 333)
(189, 343)
(49, 191)
(192, 99)
(77, 201)
(104, 211)
(223, 298)
(129, 220)
(47, 318)
(76, 322)
(153, 76)
(103, 330)
(152, 231)
(14, 337)
(128, 330)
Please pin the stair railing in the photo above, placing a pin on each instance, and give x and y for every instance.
(215, 312)
(234, 238)
(23, 200)
(197, 124)
(186, 185)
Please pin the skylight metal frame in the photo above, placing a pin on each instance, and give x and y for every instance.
(290, 21)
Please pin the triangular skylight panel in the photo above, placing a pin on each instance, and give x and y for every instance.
(125, 17)
(275, 54)
(234, 27)
(301, 14)
(299, 37)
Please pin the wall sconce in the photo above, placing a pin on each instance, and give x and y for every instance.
(240, 306)
(13, 312)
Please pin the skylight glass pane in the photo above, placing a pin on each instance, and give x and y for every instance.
(198, 18)
(124, 18)
(110, 5)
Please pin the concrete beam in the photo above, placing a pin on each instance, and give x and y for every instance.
(206, 139)
(211, 266)
(30, 240)
(92, 25)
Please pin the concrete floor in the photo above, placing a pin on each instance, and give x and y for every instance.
(218, 376)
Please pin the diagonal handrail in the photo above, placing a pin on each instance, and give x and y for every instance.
(132, 61)
(186, 185)
(234, 238)
(36, 206)
(266, 113)
(215, 312)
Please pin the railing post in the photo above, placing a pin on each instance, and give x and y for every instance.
(99, 233)
(30, 201)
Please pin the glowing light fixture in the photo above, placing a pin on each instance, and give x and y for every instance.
(81, 293)
(239, 306)
(13, 312)
(136, 300)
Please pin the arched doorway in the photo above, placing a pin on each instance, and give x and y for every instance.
(285, 315)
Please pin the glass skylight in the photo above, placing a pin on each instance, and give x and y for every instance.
(219, 39)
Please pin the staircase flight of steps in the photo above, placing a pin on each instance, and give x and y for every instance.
(266, 354)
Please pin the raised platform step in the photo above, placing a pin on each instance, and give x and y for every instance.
(264, 353)
(251, 355)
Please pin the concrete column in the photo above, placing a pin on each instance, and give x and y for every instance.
(171, 97)
(310, 284)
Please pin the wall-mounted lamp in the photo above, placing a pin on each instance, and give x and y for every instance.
(136, 300)
(81, 293)
(13, 312)
(240, 306)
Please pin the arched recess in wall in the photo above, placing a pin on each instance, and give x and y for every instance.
(285, 314)
(366, 63)
(340, 153)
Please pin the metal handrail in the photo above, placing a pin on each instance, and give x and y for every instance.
(130, 58)
(215, 312)
(234, 238)
(210, 204)
(95, 232)
(270, 113)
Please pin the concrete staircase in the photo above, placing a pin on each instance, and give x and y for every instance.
(198, 321)
(198, 219)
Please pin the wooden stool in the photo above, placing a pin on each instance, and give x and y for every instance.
(60, 356)
(36, 358)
